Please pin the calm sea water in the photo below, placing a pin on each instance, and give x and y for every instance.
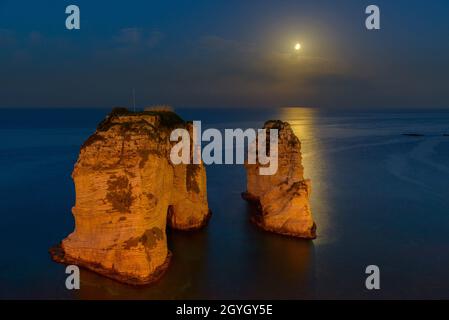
(378, 198)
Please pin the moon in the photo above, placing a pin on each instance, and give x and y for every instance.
(297, 46)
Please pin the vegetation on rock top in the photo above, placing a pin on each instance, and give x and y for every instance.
(168, 119)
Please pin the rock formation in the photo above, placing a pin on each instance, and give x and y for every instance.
(282, 199)
(127, 191)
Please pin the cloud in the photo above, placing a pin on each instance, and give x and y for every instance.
(153, 38)
(137, 37)
(128, 36)
(7, 38)
(35, 37)
(338, 81)
(216, 43)
(204, 71)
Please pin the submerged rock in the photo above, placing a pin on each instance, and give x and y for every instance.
(127, 191)
(413, 134)
(282, 199)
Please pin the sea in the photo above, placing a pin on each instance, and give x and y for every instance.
(380, 196)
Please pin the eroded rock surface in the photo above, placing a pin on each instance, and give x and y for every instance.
(127, 190)
(282, 199)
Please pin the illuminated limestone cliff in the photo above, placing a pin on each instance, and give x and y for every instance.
(127, 191)
(282, 199)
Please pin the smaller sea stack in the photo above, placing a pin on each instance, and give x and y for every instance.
(282, 199)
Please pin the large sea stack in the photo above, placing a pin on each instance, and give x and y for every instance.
(282, 199)
(127, 191)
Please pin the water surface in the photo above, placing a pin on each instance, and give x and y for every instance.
(378, 198)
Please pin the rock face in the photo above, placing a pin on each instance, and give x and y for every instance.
(127, 191)
(282, 199)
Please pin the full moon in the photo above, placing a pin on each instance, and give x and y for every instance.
(297, 46)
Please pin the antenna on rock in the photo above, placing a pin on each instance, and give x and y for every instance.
(134, 99)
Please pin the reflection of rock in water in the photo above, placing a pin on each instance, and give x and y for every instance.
(183, 279)
(285, 266)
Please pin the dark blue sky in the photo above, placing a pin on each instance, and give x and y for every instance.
(224, 54)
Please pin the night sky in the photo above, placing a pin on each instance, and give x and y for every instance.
(225, 54)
